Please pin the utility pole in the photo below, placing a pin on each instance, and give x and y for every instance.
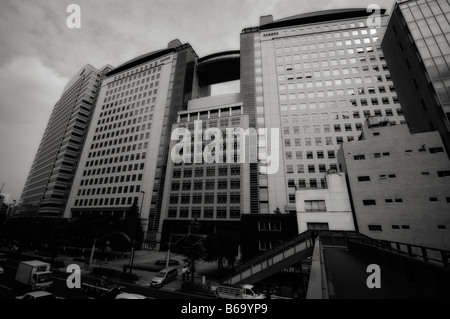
(132, 256)
(92, 253)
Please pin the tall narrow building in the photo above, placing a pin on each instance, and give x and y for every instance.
(315, 77)
(49, 182)
(124, 159)
(417, 48)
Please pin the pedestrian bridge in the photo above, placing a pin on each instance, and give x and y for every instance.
(339, 267)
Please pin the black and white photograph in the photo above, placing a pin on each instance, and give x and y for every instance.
(224, 158)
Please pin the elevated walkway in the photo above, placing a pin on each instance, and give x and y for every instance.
(339, 267)
(274, 260)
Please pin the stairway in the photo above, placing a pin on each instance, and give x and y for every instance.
(274, 260)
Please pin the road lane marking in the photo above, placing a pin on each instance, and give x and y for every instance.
(5, 287)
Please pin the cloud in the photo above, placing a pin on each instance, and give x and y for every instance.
(28, 92)
(38, 53)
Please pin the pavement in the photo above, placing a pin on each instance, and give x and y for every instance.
(349, 278)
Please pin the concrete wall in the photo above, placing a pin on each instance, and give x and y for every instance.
(338, 212)
(414, 180)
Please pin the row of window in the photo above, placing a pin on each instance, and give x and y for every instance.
(432, 150)
(134, 81)
(113, 126)
(117, 159)
(383, 176)
(210, 171)
(208, 212)
(294, 107)
(335, 82)
(380, 228)
(301, 96)
(106, 201)
(207, 184)
(109, 190)
(310, 154)
(310, 168)
(317, 32)
(312, 55)
(308, 141)
(207, 198)
(371, 202)
(134, 84)
(315, 64)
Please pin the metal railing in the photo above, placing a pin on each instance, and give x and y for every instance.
(305, 237)
(426, 254)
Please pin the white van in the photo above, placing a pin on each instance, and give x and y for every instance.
(164, 276)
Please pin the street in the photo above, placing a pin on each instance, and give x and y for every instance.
(9, 288)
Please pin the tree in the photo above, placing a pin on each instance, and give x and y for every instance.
(194, 249)
(222, 245)
(277, 211)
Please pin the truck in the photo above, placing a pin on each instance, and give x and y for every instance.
(100, 285)
(229, 291)
(34, 274)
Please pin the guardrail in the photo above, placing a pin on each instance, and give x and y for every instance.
(305, 237)
(426, 254)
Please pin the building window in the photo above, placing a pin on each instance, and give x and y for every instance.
(369, 202)
(292, 198)
(186, 186)
(184, 212)
(209, 198)
(395, 226)
(375, 228)
(317, 226)
(359, 157)
(436, 150)
(197, 198)
(265, 225)
(221, 212)
(172, 213)
(363, 178)
(208, 212)
(174, 199)
(405, 226)
(443, 173)
(433, 199)
(315, 206)
(196, 212)
(235, 213)
(441, 227)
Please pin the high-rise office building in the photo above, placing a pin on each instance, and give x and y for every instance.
(50, 179)
(417, 49)
(316, 77)
(124, 160)
(399, 184)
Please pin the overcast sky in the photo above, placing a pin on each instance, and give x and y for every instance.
(39, 53)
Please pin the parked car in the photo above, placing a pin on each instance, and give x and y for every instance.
(162, 262)
(41, 294)
(100, 285)
(126, 295)
(164, 276)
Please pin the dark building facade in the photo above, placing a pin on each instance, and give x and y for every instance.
(50, 179)
(261, 232)
(417, 49)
